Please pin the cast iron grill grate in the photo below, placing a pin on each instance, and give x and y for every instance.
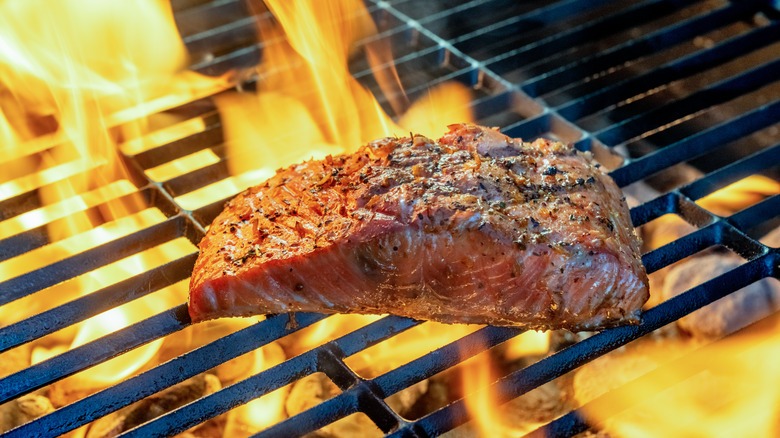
(661, 82)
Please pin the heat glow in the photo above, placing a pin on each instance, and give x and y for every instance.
(77, 79)
(727, 389)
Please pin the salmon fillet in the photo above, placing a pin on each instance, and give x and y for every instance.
(473, 228)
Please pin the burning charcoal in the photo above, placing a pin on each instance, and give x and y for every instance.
(357, 425)
(316, 388)
(728, 314)
(639, 193)
(540, 405)
(235, 369)
(185, 340)
(402, 401)
(23, 410)
(664, 230)
(67, 391)
(154, 406)
(439, 394)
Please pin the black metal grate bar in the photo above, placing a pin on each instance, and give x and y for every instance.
(211, 135)
(165, 375)
(519, 382)
(697, 144)
(590, 82)
(711, 96)
(731, 173)
(669, 72)
(93, 353)
(89, 260)
(574, 422)
(392, 382)
(756, 214)
(78, 310)
(273, 378)
(541, 43)
(660, 39)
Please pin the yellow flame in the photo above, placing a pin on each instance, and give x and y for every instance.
(111, 321)
(740, 194)
(78, 77)
(528, 343)
(71, 72)
(478, 374)
(728, 389)
(407, 346)
(307, 104)
(268, 409)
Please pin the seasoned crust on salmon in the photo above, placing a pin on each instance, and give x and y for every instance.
(475, 228)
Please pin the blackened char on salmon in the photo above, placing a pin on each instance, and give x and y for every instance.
(474, 228)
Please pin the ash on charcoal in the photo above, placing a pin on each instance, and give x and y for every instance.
(357, 425)
(772, 238)
(183, 341)
(729, 313)
(609, 372)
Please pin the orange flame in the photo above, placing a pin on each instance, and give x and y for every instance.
(308, 105)
(76, 78)
(266, 410)
(727, 389)
(478, 374)
(740, 194)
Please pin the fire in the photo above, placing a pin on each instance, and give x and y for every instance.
(407, 346)
(479, 373)
(307, 104)
(528, 343)
(77, 78)
(111, 321)
(740, 195)
(329, 329)
(79, 81)
(266, 410)
(727, 389)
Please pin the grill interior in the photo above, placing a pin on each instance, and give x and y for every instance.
(651, 85)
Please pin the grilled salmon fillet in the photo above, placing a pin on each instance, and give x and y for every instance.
(473, 228)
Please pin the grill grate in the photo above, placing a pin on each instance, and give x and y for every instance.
(662, 82)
